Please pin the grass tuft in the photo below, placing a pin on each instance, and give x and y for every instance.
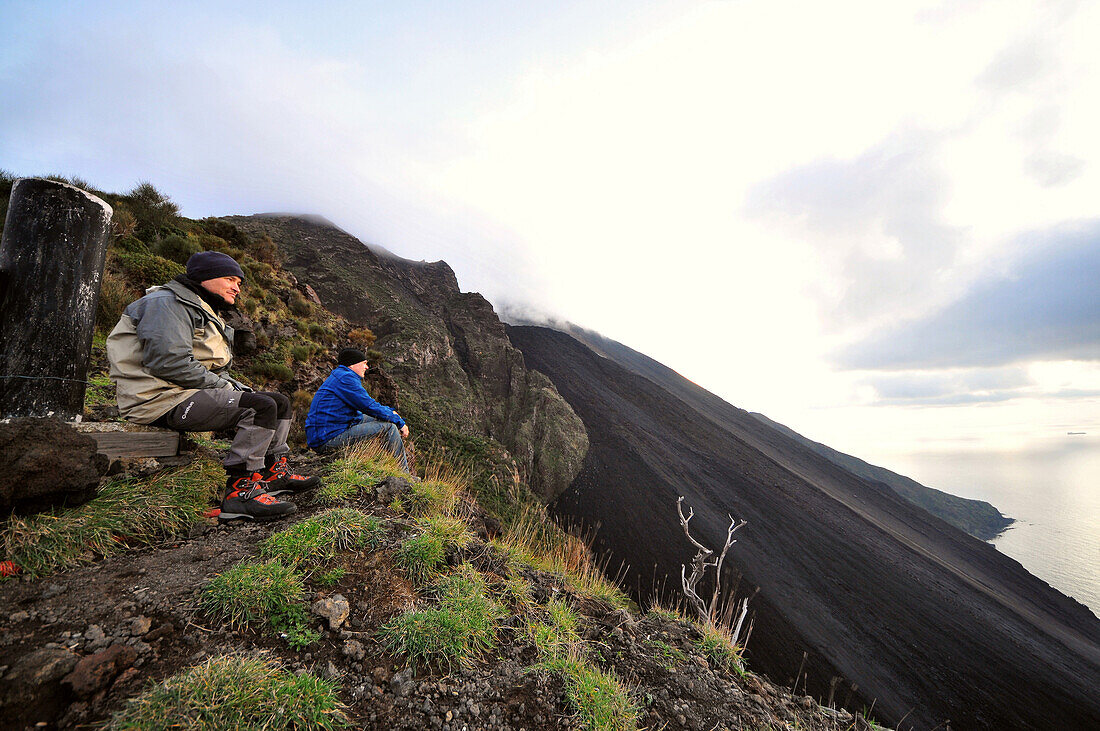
(557, 637)
(598, 698)
(268, 594)
(128, 512)
(314, 540)
(719, 648)
(235, 693)
(424, 553)
(455, 633)
(533, 538)
(360, 465)
(433, 497)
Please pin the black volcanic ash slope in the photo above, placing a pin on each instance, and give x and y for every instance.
(976, 517)
(929, 623)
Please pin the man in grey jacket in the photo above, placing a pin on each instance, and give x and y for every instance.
(170, 354)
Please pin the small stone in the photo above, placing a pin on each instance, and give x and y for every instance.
(334, 608)
(52, 590)
(681, 719)
(449, 716)
(19, 617)
(140, 625)
(354, 649)
(95, 671)
(96, 637)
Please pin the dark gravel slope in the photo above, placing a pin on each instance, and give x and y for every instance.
(924, 621)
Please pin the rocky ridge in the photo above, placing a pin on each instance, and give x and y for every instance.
(446, 349)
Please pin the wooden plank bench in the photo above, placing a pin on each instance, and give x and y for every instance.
(122, 439)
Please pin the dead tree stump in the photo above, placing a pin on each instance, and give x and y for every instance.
(51, 261)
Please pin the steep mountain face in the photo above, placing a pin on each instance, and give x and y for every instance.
(445, 348)
(891, 606)
(976, 517)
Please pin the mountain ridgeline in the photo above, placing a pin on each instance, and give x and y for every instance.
(863, 596)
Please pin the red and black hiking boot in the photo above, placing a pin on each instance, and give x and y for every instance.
(278, 479)
(246, 498)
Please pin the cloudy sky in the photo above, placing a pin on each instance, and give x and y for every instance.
(876, 222)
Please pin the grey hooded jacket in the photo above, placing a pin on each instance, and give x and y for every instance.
(166, 346)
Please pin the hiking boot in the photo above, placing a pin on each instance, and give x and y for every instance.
(278, 479)
(246, 498)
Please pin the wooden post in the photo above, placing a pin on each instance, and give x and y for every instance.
(51, 261)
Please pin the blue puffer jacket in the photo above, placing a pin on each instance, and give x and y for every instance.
(337, 406)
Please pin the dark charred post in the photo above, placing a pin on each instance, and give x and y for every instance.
(51, 260)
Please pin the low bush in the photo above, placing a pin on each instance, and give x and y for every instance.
(300, 306)
(302, 353)
(362, 464)
(177, 248)
(434, 497)
(235, 693)
(361, 336)
(114, 296)
(424, 553)
(321, 334)
(600, 701)
(148, 270)
(557, 637)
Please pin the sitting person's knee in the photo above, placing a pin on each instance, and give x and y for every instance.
(265, 407)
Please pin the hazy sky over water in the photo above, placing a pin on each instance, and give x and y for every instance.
(875, 222)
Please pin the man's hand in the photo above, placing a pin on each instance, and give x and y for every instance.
(405, 432)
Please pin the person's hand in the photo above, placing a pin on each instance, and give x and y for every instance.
(405, 432)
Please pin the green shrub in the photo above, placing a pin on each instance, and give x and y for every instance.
(321, 333)
(235, 693)
(300, 306)
(114, 296)
(154, 211)
(270, 366)
(557, 637)
(131, 245)
(598, 698)
(423, 553)
(148, 270)
(433, 497)
(259, 273)
(303, 353)
(177, 248)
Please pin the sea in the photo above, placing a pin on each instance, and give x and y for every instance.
(1052, 491)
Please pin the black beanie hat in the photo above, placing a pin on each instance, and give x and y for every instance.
(211, 265)
(350, 356)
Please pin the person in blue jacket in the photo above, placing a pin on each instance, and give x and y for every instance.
(342, 412)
